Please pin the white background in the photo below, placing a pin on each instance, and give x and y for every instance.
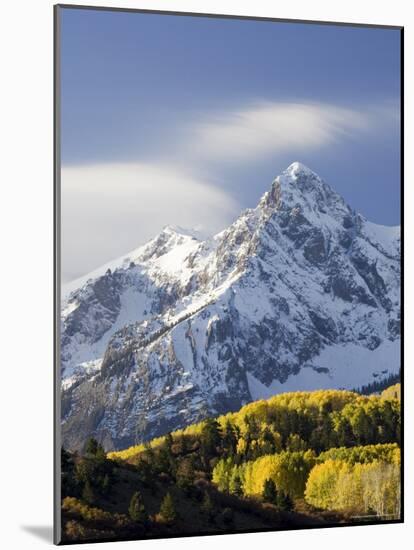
(26, 366)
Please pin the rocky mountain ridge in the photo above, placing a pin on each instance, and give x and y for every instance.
(300, 292)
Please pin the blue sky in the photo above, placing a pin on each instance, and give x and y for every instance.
(158, 108)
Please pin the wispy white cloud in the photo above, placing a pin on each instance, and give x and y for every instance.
(110, 209)
(272, 128)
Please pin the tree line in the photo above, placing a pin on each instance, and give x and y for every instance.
(295, 421)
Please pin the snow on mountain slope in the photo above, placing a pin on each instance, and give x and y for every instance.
(299, 292)
(324, 372)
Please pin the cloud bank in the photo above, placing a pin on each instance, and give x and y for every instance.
(110, 209)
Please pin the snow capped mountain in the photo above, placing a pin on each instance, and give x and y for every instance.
(301, 292)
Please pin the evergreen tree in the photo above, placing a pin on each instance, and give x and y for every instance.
(169, 441)
(165, 460)
(136, 508)
(168, 512)
(327, 436)
(270, 492)
(65, 459)
(345, 435)
(91, 446)
(210, 439)
(94, 450)
(185, 474)
(284, 502)
(236, 486)
(88, 494)
(362, 428)
(229, 439)
(145, 470)
(100, 454)
(68, 481)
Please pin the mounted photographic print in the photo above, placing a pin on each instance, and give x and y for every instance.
(228, 285)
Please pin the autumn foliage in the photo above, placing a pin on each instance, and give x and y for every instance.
(328, 450)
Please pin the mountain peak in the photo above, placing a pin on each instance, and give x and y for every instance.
(171, 229)
(297, 169)
(182, 231)
(295, 185)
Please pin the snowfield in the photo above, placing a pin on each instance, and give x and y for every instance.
(346, 367)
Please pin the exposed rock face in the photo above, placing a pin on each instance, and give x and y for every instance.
(299, 293)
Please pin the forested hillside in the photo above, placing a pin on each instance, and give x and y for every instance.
(297, 459)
